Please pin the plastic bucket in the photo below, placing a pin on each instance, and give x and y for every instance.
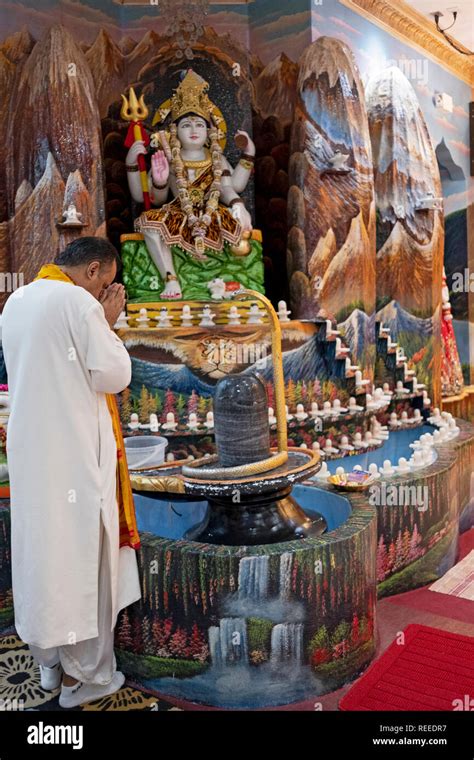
(145, 451)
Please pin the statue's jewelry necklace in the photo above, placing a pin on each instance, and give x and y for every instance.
(202, 164)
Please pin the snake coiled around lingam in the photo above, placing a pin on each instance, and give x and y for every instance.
(199, 469)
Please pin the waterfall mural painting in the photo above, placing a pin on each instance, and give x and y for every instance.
(250, 627)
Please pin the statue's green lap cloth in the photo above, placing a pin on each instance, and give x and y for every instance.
(144, 283)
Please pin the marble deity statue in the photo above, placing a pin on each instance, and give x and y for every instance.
(206, 209)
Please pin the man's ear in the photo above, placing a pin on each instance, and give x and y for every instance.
(92, 269)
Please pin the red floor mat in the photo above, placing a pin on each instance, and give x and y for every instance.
(428, 672)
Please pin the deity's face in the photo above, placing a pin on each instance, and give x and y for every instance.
(192, 132)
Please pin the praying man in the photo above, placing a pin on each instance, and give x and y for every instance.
(73, 525)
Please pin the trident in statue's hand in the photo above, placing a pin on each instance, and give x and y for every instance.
(135, 111)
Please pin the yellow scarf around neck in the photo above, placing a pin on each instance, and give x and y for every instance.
(127, 520)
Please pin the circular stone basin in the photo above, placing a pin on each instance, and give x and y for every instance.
(248, 627)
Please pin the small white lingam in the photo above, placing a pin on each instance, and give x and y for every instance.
(404, 418)
(164, 319)
(283, 313)
(207, 317)
(353, 405)
(121, 322)
(374, 470)
(234, 316)
(134, 423)
(272, 420)
(303, 446)
(386, 390)
(370, 403)
(369, 439)
(359, 381)
(317, 448)
(427, 455)
(255, 315)
(400, 389)
(143, 320)
(358, 442)
(170, 423)
(418, 387)
(170, 457)
(378, 431)
(340, 471)
(401, 355)
(403, 465)
(443, 433)
(154, 424)
(301, 415)
(453, 428)
(193, 422)
(209, 423)
(394, 422)
(341, 351)
(387, 469)
(186, 316)
(417, 459)
(323, 472)
(417, 418)
(289, 416)
(327, 409)
(329, 448)
(338, 409)
(350, 367)
(436, 418)
(330, 333)
(345, 445)
(426, 440)
(314, 409)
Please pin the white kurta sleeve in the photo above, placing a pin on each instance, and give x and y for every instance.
(106, 357)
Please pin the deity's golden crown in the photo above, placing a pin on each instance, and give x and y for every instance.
(191, 97)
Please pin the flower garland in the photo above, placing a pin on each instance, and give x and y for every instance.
(199, 224)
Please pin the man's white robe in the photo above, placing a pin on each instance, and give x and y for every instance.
(62, 358)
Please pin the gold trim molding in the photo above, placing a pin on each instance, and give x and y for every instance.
(413, 27)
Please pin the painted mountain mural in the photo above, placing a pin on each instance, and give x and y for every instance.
(54, 136)
(331, 241)
(410, 240)
(275, 89)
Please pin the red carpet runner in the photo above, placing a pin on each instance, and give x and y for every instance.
(430, 671)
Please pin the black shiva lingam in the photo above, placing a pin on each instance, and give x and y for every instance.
(247, 484)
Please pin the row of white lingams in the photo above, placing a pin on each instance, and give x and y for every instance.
(253, 316)
(423, 450)
(329, 410)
